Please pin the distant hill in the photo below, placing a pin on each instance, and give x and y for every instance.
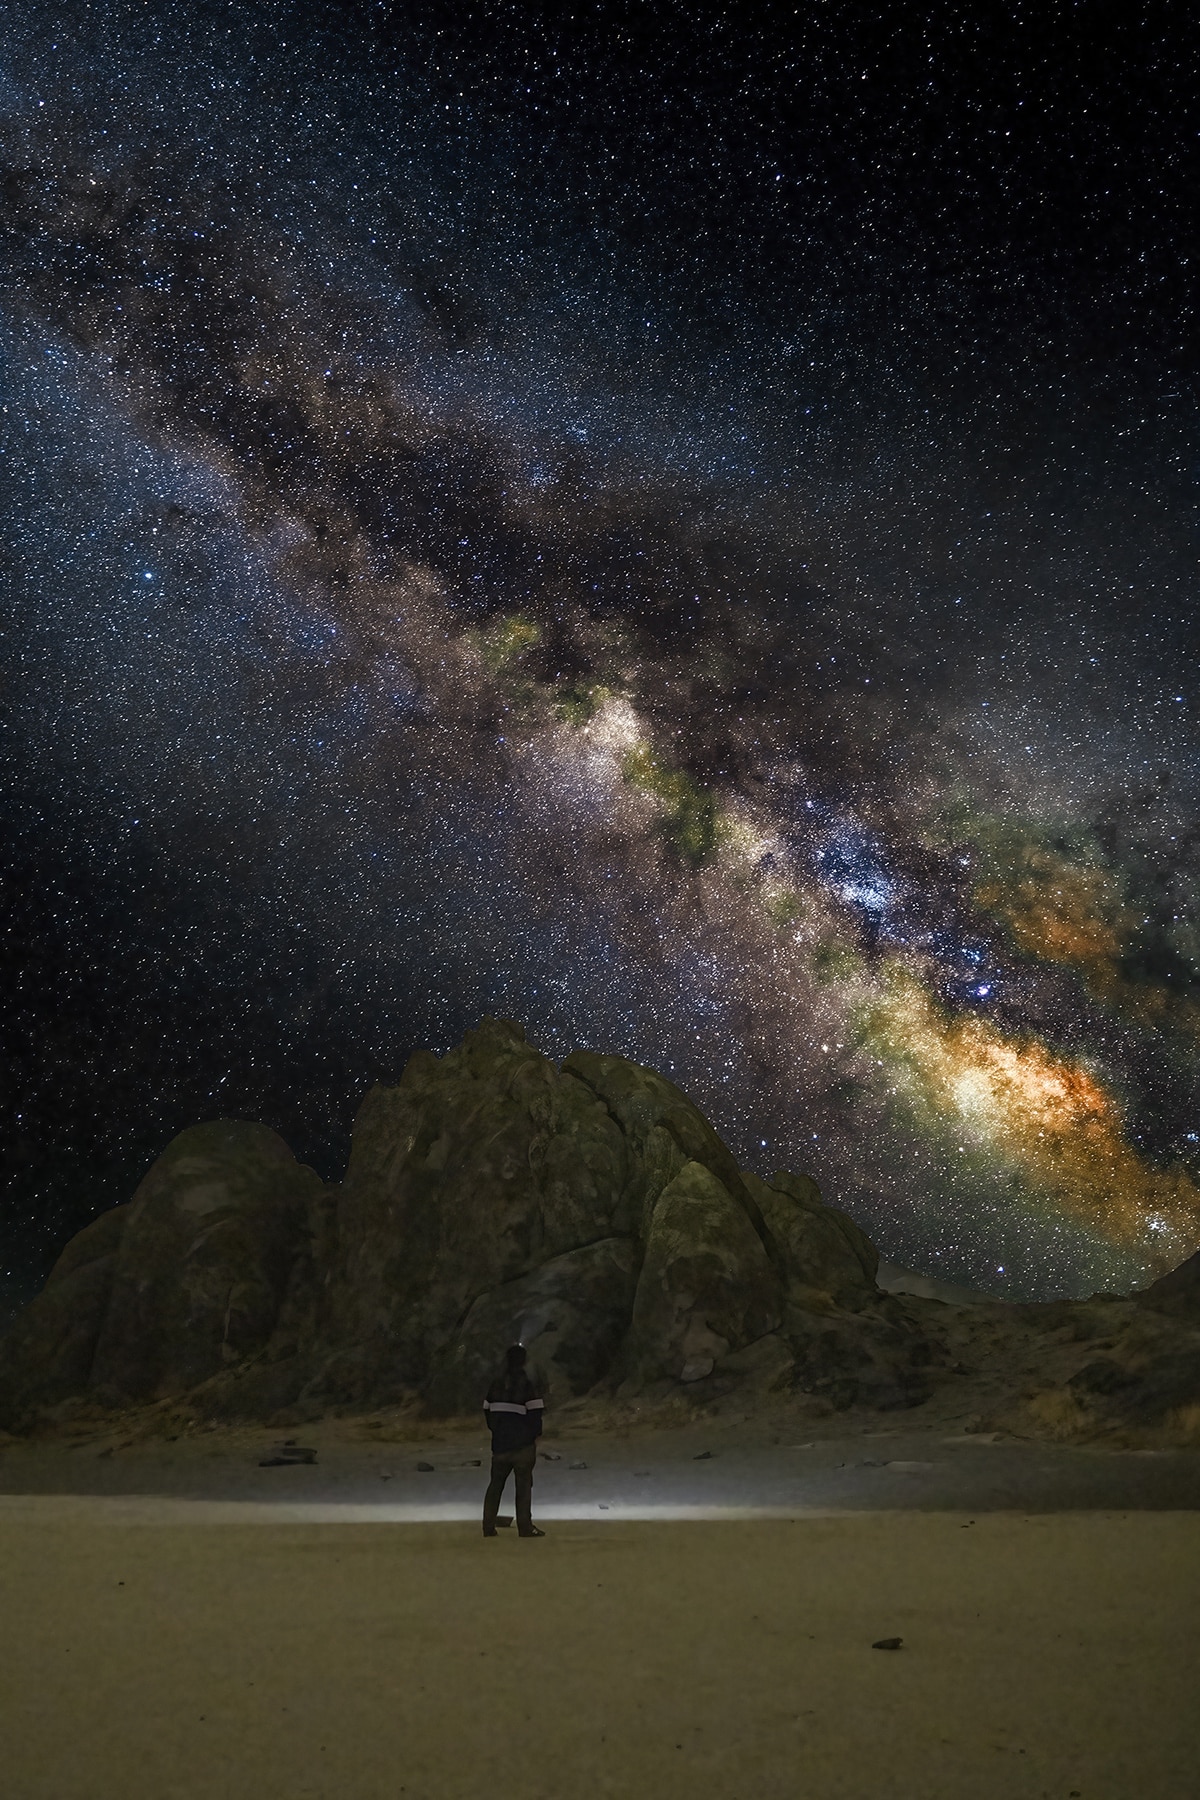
(894, 1280)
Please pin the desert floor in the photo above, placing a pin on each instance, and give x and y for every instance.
(153, 1652)
(626, 1463)
(179, 1622)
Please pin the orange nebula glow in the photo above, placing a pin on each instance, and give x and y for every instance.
(1059, 912)
(1049, 1116)
(1068, 913)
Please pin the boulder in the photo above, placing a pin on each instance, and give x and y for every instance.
(47, 1355)
(664, 1131)
(475, 1171)
(823, 1251)
(204, 1260)
(571, 1315)
(706, 1287)
(96, 1243)
(589, 1209)
(767, 1365)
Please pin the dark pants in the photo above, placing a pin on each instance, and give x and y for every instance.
(521, 1463)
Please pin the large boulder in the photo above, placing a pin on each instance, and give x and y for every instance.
(664, 1131)
(476, 1170)
(571, 1315)
(47, 1355)
(823, 1251)
(590, 1210)
(204, 1260)
(707, 1286)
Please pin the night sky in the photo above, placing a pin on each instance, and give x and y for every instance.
(672, 523)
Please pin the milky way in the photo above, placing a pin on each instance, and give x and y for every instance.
(675, 526)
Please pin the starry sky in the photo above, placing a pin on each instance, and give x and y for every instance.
(673, 523)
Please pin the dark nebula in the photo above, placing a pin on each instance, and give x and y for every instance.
(672, 523)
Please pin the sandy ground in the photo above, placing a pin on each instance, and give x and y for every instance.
(1042, 1656)
(179, 1623)
(773, 1460)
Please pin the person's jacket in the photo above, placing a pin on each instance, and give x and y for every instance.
(513, 1410)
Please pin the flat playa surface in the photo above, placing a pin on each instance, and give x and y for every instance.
(179, 1623)
(1043, 1655)
(769, 1462)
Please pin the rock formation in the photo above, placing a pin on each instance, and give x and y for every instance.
(186, 1280)
(588, 1209)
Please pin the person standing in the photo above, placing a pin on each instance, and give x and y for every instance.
(513, 1410)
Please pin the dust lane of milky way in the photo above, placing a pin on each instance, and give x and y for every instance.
(751, 647)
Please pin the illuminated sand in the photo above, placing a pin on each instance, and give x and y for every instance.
(1043, 1656)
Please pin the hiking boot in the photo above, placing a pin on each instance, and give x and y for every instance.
(489, 1531)
(532, 1532)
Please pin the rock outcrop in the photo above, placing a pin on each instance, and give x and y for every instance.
(186, 1280)
(588, 1209)
(48, 1352)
